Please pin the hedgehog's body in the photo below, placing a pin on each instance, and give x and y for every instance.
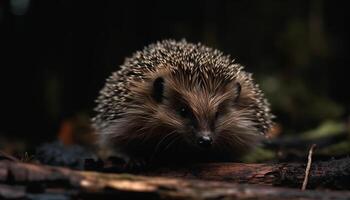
(181, 101)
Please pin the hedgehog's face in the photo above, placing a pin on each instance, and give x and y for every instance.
(216, 115)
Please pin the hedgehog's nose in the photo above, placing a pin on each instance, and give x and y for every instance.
(205, 141)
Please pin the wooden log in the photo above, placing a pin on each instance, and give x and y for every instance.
(333, 174)
(30, 181)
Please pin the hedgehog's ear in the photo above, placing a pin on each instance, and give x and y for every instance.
(158, 89)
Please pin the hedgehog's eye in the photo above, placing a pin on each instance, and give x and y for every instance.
(184, 111)
(238, 90)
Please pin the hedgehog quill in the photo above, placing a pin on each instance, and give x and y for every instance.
(176, 101)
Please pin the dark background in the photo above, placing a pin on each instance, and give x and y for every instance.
(55, 54)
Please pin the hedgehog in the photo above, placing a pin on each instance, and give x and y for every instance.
(180, 102)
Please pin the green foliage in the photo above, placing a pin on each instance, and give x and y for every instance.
(327, 128)
(259, 155)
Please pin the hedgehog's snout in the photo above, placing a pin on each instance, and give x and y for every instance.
(204, 140)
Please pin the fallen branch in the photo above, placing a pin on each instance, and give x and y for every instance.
(301, 143)
(294, 148)
(29, 181)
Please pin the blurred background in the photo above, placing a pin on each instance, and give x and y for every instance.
(56, 54)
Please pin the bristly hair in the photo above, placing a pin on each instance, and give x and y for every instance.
(139, 102)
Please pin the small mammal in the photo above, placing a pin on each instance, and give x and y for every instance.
(176, 101)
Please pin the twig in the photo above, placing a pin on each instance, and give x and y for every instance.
(308, 166)
(6, 156)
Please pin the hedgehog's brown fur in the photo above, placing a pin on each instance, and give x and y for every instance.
(141, 122)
